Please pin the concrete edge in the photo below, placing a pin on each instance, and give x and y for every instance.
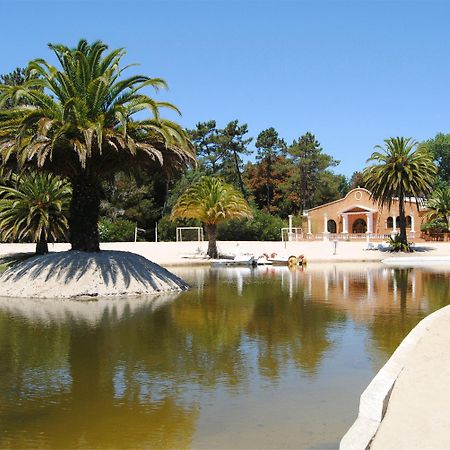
(374, 400)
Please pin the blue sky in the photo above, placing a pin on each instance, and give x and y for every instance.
(351, 72)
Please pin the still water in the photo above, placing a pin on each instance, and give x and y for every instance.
(248, 358)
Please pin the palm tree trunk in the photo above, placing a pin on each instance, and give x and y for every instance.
(211, 229)
(84, 214)
(41, 247)
(402, 218)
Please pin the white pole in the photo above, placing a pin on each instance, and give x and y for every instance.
(290, 227)
(135, 233)
(156, 232)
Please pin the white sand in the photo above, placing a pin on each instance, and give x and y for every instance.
(77, 274)
(171, 253)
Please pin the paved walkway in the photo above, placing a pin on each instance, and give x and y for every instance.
(418, 414)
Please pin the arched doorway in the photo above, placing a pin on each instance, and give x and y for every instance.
(331, 226)
(359, 226)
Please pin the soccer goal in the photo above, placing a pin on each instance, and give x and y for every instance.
(294, 234)
(190, 234)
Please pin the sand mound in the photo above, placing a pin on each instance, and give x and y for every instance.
(77, 274)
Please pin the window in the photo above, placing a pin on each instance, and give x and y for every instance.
(390, 222)
(331, 226)
(408, 221)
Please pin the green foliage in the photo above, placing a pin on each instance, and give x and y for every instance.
(308, 164)
(189, 178)
(167, 227)
(233, 145)
(329, 188)
(211, 201)
(396, 244)
(80, 122)
(205, 139)
(401, 171)
(34, 207)
(119, 230)
(439, 146)
(439, 205)
(263, 227)
(435, 225)
(132, 198)
(356, 180)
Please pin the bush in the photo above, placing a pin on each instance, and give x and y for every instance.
(396, 245)
(434, 226)
(116, 230)
(263, 227)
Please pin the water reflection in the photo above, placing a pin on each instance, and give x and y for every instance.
(288, 351)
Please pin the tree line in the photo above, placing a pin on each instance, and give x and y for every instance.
(80, 123)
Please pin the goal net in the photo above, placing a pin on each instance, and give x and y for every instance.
(295, 234)
(190, 234)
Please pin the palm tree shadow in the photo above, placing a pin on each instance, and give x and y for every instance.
(107, 267)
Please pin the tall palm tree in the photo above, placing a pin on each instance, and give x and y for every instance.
(79, 122)
(439, 204)
(35, 207)
(212, 201)
(401, 171)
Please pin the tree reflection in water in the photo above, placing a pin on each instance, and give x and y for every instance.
(138, 372)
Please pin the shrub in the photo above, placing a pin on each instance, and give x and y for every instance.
(116, 230)
(397, 245)
(263, 227)
(434, 226)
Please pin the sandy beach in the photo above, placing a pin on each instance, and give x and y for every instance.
(175, 253)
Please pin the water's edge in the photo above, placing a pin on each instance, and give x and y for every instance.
(375, 398)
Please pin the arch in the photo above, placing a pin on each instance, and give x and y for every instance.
(408, 221)
(359, 226)
(331, 226)
(390, 222)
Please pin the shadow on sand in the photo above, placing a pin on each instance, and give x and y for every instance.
(115, 269)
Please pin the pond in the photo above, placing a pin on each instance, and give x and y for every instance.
(248, 358)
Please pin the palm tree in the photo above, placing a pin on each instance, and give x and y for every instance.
(35, 208)
(212, 201)
(439, 204)
(79, 122)
(401, 171)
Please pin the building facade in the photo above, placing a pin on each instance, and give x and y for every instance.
(358, 214)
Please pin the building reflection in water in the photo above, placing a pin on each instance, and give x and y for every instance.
(76, 374)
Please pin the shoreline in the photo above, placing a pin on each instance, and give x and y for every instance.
(174, 253)
(401, 409)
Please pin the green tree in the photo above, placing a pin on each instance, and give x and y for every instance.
(82, 126)
(400, 171)
(270, 150)
(439, 146)
(233, 146)
(356, 180)
(205, 139)
(35, 208)
(329, 188)
(439, 204)
(308, 164)
(268, 194)
(212, 201)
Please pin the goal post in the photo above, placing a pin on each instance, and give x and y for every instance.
(291, 234)
(189, 234)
